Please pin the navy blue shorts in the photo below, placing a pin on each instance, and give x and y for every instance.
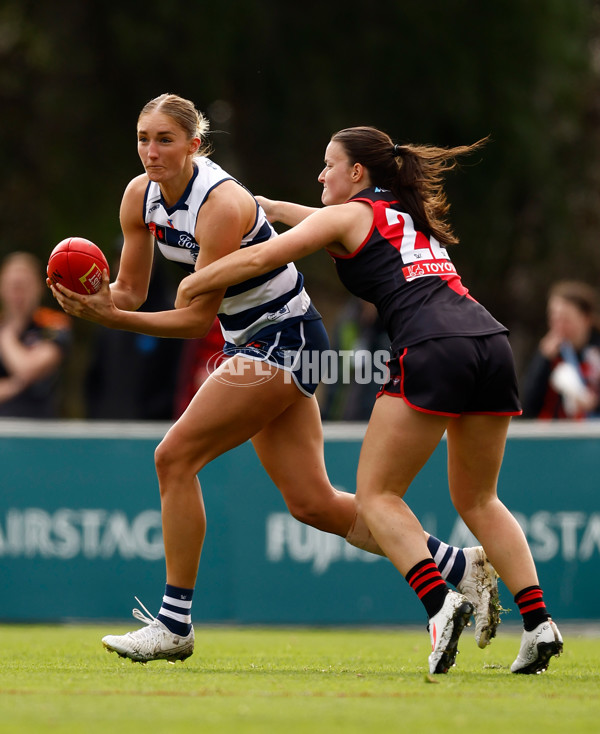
(295, 348)
(456, 375)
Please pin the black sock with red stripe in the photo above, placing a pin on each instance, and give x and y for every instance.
(531, 605)
(426, 581)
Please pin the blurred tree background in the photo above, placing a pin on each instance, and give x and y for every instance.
(276, 79)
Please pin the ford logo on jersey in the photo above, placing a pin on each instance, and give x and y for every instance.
(185, 240)
(278, 314)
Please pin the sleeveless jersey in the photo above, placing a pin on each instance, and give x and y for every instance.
(410, 279)
(256, 306)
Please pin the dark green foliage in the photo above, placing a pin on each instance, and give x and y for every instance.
(278, 78)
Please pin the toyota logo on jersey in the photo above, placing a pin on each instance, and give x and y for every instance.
(431, 267)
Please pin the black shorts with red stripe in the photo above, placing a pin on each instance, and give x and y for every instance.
(456, 375)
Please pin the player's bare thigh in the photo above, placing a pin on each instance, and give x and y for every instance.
(291, 450)
(475, 451)
(398, 442)
(238, 400)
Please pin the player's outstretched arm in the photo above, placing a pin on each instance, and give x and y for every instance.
(320, 229)
(285, 212)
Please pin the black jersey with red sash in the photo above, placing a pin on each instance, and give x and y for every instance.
(410, 278)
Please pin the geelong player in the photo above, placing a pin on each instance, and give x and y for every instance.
(197, 213)
(452, 371)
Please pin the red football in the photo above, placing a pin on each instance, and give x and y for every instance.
(77, 264)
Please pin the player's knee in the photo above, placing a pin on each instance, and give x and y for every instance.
(167, 460)
(162, 459)
(177, 461)
(472, 506)
(306, 512)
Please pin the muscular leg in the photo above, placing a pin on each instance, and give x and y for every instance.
(291, 450)
(398, 442)
(229, 408)
(475, 451)
(286, 431)
(222, 415)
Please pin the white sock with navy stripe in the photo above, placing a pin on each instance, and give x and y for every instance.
(450, 560)
(176, 610)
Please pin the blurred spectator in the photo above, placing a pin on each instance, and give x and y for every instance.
(198, 358)
(33, 341)
(133, 376)
(563, 379)
(358, 334)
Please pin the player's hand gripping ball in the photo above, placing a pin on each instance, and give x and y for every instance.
(77, 264)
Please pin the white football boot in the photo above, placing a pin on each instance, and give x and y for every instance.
(445, 628)
(480, 585)
(537, 647)
(153, 642)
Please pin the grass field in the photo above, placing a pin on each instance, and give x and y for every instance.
(60, 679)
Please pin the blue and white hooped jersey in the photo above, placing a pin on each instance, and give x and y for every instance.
(260, 304)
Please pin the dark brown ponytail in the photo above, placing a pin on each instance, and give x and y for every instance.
(413, 173)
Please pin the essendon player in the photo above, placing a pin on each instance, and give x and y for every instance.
(384, 223)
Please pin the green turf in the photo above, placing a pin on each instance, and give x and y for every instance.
(60, 679)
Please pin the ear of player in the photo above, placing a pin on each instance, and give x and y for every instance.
(77, 264)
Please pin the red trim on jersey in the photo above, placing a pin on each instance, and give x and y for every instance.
(457, 286)
(493, 412)
(432, 266)
(350, 255)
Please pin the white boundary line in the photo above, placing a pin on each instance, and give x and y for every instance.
(333, 431)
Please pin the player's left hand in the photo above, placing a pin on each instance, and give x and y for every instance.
(97, 307)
